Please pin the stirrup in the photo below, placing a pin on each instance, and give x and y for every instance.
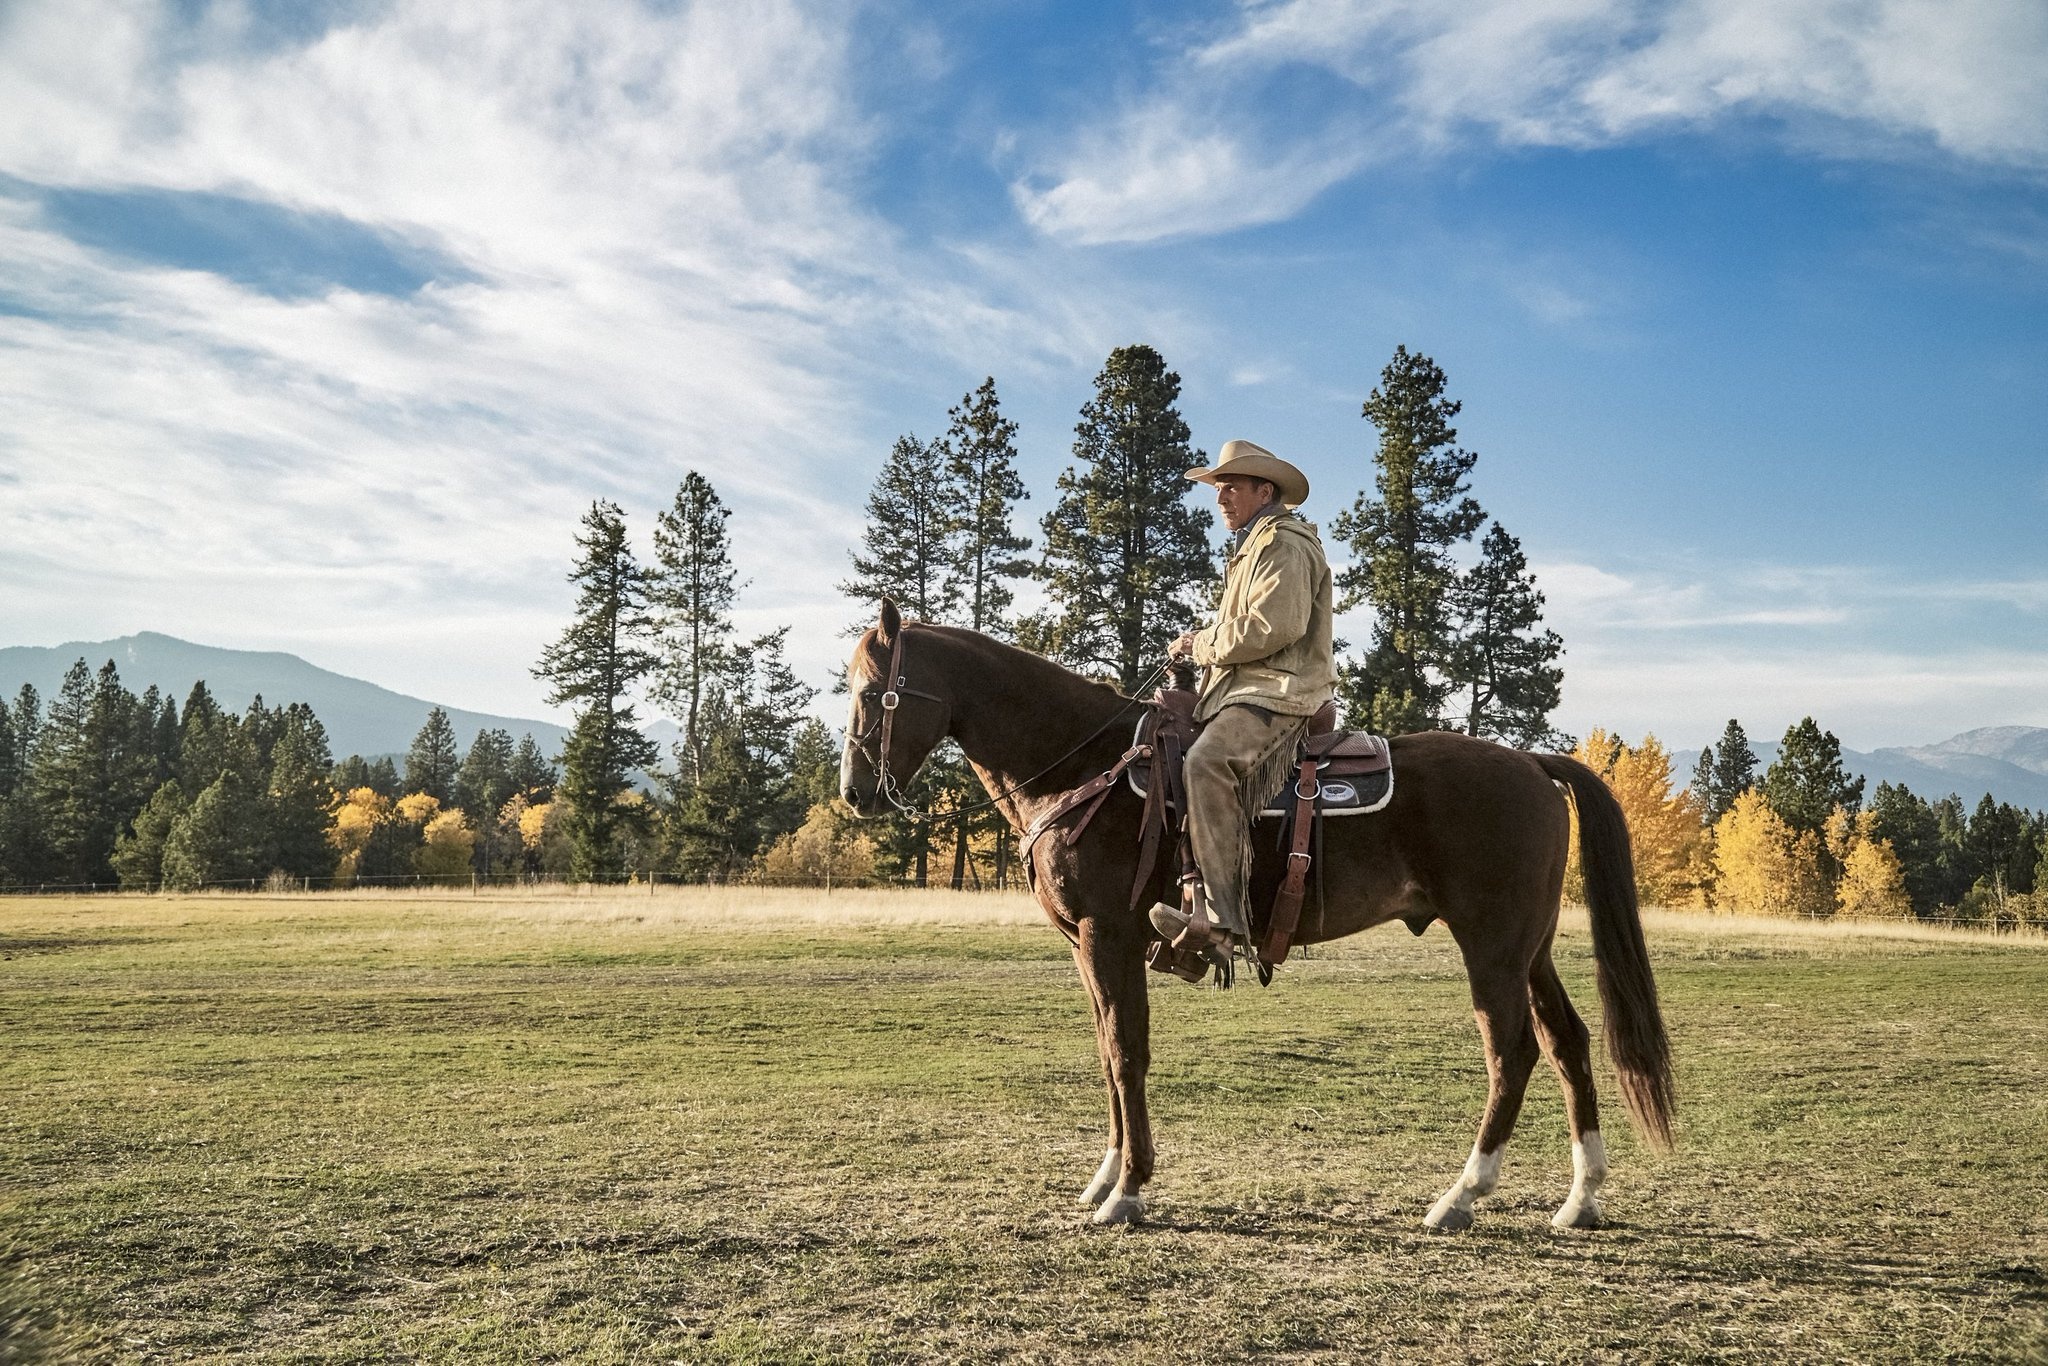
(1185, 964)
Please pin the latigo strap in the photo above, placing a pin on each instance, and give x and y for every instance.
(1280, 926)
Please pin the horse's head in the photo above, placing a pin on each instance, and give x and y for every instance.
(899, 715)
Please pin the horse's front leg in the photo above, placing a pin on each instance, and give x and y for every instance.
(1112, 961)
(1106, 1175)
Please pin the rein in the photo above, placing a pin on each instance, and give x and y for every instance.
(895, 687)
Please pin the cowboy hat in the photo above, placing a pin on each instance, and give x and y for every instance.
(1256, 462)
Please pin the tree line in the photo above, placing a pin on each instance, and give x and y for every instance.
(1126, 558)
(103, 787)
(1799, 839)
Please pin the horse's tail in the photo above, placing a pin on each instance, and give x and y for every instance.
(1633, 1026)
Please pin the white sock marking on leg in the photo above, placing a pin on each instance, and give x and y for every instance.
(1105, 1178)
(1453, 1208)
(1581, 1209)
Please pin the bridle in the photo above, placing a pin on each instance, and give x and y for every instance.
(893, 687)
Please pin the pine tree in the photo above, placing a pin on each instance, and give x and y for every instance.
(1807, 782)
(139, 854)
(484, 782)
(1127, 557)
(482, 788)
(813, 765)
(202, 730)
(1401, 543)
(598, 661)
(691, 590)
(981, 474)
(431, 763)
(379, 775)
(89, 777)
(218, 838)
(1506, 669)
(1910, 827)
(299, 796)
(1724, 772)
(745, 798)
(532, 774)
(21, 839)
(908, 547)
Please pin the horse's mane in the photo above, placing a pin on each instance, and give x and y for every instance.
(1013, 658)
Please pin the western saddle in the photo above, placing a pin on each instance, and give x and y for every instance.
(1158, 750)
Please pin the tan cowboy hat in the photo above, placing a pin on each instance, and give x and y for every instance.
(1256, 462)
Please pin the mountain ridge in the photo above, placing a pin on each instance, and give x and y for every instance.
(361, 717)
(2009, 762)
(1959, 765)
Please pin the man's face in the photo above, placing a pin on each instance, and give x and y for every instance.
(1240, 497)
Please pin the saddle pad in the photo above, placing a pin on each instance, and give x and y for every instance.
(1346, 791)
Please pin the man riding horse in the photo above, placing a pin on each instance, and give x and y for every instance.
(1270, 666)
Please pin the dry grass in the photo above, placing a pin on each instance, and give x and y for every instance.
(771, 1126)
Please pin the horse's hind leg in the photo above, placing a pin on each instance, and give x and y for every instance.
(1565, 1039)
(1500, 1000)
(1106, 1175)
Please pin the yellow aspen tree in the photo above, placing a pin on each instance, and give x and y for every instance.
(1873, 882)
(1762, 868)
(353, 818)
(1665, 830)
(417, 808)
(446, 845)
(821, 850)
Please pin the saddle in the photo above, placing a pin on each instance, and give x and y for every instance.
(1336, 773)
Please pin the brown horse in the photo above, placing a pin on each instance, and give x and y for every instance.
(1475, 836)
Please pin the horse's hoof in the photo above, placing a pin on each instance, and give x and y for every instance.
(1447, 1219)
(1577, 1214)
(1120, 1209)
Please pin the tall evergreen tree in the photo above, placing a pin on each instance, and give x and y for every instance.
(1127, 558)
(746, 796)
(1401, 543)
(1502, 664)
(89, 777)
(299, 796)
(484, 782)
(981, 474)
(600, 658)
(219, 838)
(202, 732)
(10, 762)
(1725, 771)
(379, 775)
(1807, 782)
(21, 843)
(139, 854)
(431, 763)
(691, 590)
(1912, 829)
(532, 773)
(908, 547)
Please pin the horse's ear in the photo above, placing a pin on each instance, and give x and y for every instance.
(891, 623)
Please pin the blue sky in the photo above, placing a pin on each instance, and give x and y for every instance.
(320, 324)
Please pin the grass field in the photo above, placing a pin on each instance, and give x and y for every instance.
(780, 1127)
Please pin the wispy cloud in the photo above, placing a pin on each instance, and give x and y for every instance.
(1376, 79)
(644, 247)
(1881, 657)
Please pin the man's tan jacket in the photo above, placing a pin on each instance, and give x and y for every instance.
(1271, 644)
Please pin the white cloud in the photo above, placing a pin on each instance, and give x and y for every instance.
(1858, 77)
(1171, 170)
(666, 264)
